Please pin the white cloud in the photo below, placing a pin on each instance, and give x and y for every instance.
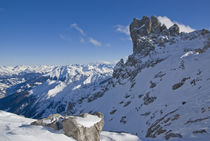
(84, 38)
(183, 28)
(123, 29)
(94, 42)
(75, 26)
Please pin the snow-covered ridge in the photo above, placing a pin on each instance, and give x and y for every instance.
(15, 70)
(50, 84)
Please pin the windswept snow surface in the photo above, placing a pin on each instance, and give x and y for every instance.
(17, 128)
(112, 136)
(88, 121)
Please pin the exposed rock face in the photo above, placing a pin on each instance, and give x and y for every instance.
(53, 121)
(174, 30)
(84, 127)
(143, 32)
(146, 34)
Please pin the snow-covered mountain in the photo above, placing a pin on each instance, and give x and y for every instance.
(39, 91)
(160, 92)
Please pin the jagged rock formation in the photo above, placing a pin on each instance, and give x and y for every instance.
(84, 127)
(144, 31)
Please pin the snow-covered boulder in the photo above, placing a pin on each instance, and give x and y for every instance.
(85, 127)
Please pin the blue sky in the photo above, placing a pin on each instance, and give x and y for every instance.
(60, 32)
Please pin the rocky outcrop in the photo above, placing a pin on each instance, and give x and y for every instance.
(53, 121)
(146, 34)
(143, 32)
(174, 30)
(84, 127)
(72, 128)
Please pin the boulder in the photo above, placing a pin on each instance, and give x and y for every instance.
(79, 129)
(84, 127)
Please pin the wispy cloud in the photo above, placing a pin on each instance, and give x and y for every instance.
(76, 27)
(123, 29)
(83, 38)
(94, 42)
(183, 28)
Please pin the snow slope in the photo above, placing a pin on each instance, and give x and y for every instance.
(165, 100)
(17, 128)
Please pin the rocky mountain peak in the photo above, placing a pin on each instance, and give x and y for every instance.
(141, 32)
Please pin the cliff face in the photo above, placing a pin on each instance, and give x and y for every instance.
(147, 29)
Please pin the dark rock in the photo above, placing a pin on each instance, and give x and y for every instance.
(123, 120)
(152, 84)
(156, 25)
(199, 131)
(53, 121)
(174, 30)
(127, 103)
(143, 31)
(118, 68)
(172, 135)
(178, 85)
(204, 31)
(149, 99)
(113, 111)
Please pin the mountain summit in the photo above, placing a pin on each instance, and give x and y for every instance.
(150, 28)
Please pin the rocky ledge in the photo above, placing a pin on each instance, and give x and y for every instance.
(84, 127)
